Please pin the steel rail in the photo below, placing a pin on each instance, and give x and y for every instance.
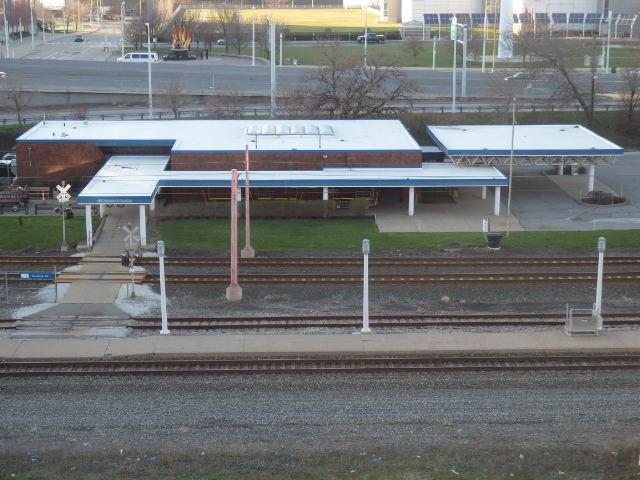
(332, 261)
(389, 261)
(342, 364)
(377, 321)
(440, 278)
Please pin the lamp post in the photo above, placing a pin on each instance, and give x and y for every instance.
(234, 290)
(253, 38)
(597, 308)
(247, 251)
(149, 69)
(122, 20)
(163, 294)
(6, 27)
(32, 32)
(365, 293)
(366, 35)
(513, 134)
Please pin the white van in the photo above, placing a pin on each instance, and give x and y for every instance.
(139, 57)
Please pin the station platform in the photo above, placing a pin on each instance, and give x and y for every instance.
(108, 337)
(251, 345)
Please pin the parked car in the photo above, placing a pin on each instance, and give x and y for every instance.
(371, 38)
(79, 38)
(139, 57)
(220, 41)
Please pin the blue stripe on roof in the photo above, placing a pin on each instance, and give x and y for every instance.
(541, 153)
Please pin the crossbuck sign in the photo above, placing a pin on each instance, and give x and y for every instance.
(63, 196)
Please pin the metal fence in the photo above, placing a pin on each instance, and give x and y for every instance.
(265, 112)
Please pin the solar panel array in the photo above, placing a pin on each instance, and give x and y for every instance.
(592, 18)
(477, 19)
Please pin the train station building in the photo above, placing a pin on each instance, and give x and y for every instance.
(130, 162)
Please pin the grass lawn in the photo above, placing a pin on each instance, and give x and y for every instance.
(304, 19)
(40, 231)
(283, 235)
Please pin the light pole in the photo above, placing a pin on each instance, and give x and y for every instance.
(122, 19)
(33, 34)
(247, 251)
(454, 37)
(484, 37)
(163, 294)
(149, 69)
(6, 27)
(234, 290)
(365, 293)
(366, 32)
(253, 38)
(513, 134)
(597, 308)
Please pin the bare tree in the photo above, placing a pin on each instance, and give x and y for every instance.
(225, 17)
(69, 14)
(561, 56)
(342, 87)
(135, 32)
(14, 93)
(631, 94)
(415, 46)
(524, 42)
(172, 95)
(239, 34)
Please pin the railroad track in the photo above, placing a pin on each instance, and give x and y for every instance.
(398, 279)
(337, 262)
(349, 364)
(345, 262)
(524, 320)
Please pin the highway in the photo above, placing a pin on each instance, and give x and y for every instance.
(61, 65)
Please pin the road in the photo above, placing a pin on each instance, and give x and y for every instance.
(60, 64)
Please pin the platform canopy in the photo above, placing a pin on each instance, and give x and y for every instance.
(137, 179)
(532, 145)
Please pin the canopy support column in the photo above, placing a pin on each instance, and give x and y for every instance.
(591, 179)
(484, 193)
(152, 205)
(143, 225)
(88, 222)
(496, 202)
(101, 210)
(325, 193)
(412, 200)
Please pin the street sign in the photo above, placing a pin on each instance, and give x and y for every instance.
(63, 196)
(454, 28)
(36, 276)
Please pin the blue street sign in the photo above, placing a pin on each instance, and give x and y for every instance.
(36, 276)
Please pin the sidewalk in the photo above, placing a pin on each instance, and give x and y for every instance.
(242, 345)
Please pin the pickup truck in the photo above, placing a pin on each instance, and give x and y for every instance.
(371, 38)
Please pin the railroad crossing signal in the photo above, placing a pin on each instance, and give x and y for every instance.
(63, 196)
(454, 28)
(131, 236)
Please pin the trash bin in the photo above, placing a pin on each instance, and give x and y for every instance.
(494, 240)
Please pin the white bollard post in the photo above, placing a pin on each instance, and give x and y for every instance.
(365, 294)
(602, 246)
(163, 294)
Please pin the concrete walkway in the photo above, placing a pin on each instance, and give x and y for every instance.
(203, 345)
(95, 283)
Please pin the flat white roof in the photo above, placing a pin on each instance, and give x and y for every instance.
(136, 179)
(232, 135)
(528, 140)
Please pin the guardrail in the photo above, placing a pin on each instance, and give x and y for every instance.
(263, 112)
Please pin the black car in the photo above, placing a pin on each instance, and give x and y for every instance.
(79, 38)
